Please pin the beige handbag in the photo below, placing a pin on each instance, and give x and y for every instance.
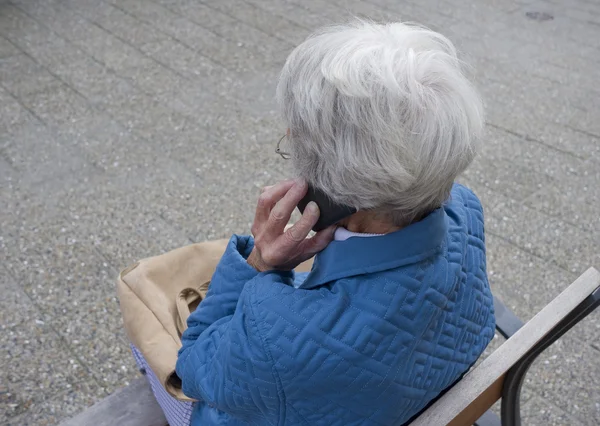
(157, 295)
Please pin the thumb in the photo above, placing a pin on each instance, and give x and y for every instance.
(322, 239)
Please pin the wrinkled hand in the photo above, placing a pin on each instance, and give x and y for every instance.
(276, 248)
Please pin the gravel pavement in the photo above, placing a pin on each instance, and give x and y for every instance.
(131, 127)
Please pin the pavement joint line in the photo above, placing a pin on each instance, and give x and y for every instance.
(257, 6)
(230, 16)
(51, 325)
(527, 73)
(179, 228)
(530, 139)
(131, 80)
(53, 131)
(423, 6)
(527, 201)
(308, 9)
(90, 104)
(69, 42)
(199, 52)
(383, 8)
(541, 63)
(55, 331)
(584, 132)
(170, 37)
(49, 127)
(526, 250)
(522, 38)
(258, 52)
(25, 107)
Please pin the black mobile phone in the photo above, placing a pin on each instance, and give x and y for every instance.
(330, 212)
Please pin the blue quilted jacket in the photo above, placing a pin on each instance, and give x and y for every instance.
(375, 331)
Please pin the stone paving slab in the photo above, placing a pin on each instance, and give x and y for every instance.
(131, 127)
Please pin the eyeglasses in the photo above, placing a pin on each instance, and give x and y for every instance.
(284, 155)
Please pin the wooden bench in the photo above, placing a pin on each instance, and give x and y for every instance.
(499, 376)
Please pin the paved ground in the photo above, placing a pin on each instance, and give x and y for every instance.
(131, 127)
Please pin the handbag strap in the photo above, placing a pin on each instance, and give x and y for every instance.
(185, 298)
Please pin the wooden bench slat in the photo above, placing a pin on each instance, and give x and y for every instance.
(478, 390)
(133, 405)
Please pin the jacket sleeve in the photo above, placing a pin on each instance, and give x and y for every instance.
(226, 363)
(226, 285)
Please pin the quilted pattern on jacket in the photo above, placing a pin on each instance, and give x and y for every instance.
(378, 329)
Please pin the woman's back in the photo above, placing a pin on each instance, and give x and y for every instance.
(378, 329)
(381, 119)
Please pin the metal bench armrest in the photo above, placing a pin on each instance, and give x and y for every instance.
(511, 391)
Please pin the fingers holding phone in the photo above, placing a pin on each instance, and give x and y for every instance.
(278, 248)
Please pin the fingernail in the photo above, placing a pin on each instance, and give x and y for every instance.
(312, 207)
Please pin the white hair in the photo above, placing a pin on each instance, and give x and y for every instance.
(381, 116)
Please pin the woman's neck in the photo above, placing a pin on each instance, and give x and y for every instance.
(369, 222)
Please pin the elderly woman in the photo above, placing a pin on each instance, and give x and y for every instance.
(397, 305)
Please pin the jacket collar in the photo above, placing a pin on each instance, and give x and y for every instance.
(357, 256)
